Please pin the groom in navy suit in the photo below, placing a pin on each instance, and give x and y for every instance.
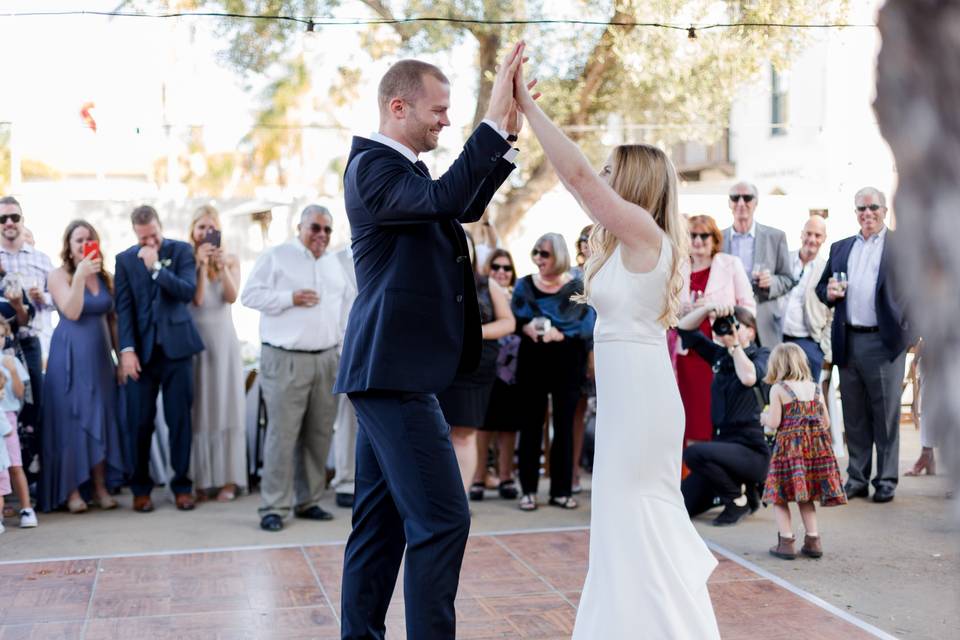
(156, 280)
(414, 324)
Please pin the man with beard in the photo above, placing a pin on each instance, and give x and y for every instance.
(17, 256)
(414, 324)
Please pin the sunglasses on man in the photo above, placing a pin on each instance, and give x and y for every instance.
(746, 197)
(861, 209)
(540, 252)
(507, 268)
(12, 217)
(317, 228)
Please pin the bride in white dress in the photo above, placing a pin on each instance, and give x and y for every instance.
(648, 566)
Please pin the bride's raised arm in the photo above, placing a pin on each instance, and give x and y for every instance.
(630, 223)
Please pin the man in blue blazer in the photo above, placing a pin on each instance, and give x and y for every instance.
(155, 281)
(414, 324)
(869, 337)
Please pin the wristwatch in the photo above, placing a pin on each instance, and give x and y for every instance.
(512, 137)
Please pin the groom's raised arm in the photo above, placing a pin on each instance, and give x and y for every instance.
(396, 194)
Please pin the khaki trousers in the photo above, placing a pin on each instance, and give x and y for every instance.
(301, 408)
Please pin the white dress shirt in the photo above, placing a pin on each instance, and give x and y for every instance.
(863, 269)
(793, 322)
(408, 153)
(276, 275)
(742, 246)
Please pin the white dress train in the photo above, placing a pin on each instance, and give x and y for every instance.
(648, 569)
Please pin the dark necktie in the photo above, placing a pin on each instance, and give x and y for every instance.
(420, 164)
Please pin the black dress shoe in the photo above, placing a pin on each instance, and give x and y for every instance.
(731, 515)
(271, 522)
(862, 492)
(314, 513)
(345, 500)
(883, 494)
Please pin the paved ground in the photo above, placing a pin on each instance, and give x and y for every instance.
(514, 586)
(894, 566)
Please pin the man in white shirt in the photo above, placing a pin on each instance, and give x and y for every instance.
(345, 427)
(302, 294)
(806, 320)
(869, 339)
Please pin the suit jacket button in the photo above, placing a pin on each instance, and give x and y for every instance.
(494, 157)
(459, 298)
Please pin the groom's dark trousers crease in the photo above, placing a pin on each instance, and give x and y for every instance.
(406, 495)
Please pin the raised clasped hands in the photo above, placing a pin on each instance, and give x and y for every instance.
(506, 102)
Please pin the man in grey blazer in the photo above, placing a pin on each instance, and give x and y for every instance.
(763, 251)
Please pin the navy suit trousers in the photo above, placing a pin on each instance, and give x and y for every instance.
(175, 377)
(409, 496)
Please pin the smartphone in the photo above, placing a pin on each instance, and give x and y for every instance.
(91, 248)
(213, 237)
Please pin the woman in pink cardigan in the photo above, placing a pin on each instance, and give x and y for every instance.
(717, 278)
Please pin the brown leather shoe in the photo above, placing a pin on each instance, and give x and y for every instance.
(143, 504)
(185, 502)
(784, 548)
(811, 547)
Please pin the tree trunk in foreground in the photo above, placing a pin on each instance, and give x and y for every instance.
(918, 107)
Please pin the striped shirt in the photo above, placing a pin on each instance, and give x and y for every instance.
(32, 267)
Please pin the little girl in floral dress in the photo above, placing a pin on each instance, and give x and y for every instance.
(802, 467)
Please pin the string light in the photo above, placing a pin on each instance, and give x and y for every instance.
(311, 21)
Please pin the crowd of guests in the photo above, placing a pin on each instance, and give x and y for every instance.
(762, 327)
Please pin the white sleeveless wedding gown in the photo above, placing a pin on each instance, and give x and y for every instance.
(648, 570)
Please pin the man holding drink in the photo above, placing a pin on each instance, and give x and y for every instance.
(764, 254)
(870, 336)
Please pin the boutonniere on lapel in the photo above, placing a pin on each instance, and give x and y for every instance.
(165, 262)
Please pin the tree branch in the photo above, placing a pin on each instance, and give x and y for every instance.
(405, 31)
(542, 177)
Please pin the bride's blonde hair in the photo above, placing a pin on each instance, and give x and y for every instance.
(642, 174)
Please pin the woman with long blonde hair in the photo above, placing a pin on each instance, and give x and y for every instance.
(633, 280)
(218, 457)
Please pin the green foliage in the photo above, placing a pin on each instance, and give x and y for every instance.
(680, 88)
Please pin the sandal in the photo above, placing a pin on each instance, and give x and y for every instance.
(227, 493)
(105, 502)
(476, 491)
(508, 490)
(528, 502)
(924, 464)
(564, 502)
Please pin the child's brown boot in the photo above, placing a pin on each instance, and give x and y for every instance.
(811, 546)
(784, 548)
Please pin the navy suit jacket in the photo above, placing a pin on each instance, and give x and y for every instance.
(415, 322)
(891, 318)
(155, 311)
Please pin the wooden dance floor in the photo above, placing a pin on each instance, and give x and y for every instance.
(523, 585)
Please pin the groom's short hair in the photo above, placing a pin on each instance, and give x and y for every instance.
(404, 80)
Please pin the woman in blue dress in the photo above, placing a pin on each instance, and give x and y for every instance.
(81, 439)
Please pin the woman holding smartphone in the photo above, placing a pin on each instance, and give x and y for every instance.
(552, 362)
(219, 452)
(81, 436)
